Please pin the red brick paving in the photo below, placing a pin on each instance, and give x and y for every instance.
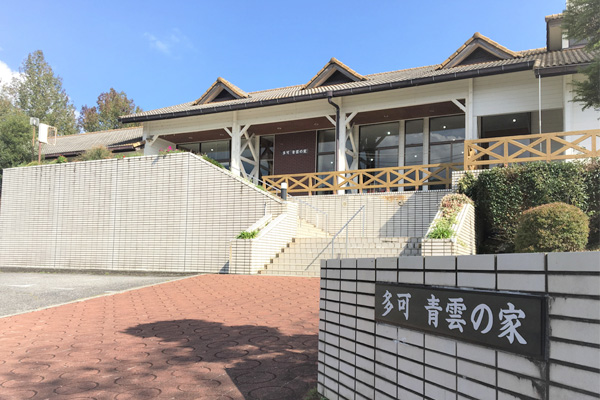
(205, 337)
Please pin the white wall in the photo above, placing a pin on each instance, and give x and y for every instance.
(162, 213)
(515, 92)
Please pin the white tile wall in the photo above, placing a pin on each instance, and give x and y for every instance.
(434, 367)
(164, 213)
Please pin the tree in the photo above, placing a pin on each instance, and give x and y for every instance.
(105, 115)
(15, 138)
(39, 93)
(581, 20)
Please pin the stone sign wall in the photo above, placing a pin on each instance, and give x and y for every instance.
(508, 326)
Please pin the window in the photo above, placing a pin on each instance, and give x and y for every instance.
(326, 150)
(378, 146)
(413, 142)
(446, 139)
(219, 150)
(266, 155)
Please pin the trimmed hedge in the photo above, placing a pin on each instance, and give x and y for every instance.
(502, 194)
(552, 227)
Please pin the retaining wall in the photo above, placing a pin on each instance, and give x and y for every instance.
(163, 213)
(360, 358)
(395, 214)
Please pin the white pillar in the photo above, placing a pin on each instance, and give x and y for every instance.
(470, 118)
(236, 146)
(340, 159)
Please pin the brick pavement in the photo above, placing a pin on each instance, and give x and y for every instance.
(205, 337)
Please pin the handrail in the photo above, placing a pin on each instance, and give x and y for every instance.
(541, 147)
(368, 179)
(335, 236)
(318, 211)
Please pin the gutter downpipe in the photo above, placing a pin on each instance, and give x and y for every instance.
(337, 126)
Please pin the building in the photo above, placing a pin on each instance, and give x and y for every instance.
(122, 141)
(341, 120)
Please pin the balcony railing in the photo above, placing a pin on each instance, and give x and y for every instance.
(480, 153)
(368, 180)
(525, 148)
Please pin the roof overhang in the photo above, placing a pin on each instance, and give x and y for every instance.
(450, 76)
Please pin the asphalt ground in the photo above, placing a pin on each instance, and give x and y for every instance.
(28, 291)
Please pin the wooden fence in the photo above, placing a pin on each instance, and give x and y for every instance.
(525, 148)
(367, 180)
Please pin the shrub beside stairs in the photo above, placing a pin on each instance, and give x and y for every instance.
(301, 256)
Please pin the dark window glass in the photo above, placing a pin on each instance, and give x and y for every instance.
(447, 129)
(266, 155)
(326, 150)
(413, 155)
(219, 150)
(193, 147)
(378, 146)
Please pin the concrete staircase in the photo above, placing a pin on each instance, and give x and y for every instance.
(296, 258)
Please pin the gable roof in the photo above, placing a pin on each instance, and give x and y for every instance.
(332, 68)
(112, 139)
(476, 43)
(541, 61)
(217, 89)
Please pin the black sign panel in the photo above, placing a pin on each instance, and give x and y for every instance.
(505, 321)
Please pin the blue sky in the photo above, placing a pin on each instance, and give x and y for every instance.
(164, 53)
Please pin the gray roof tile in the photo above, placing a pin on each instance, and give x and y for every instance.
(79, 143)
(567, 57)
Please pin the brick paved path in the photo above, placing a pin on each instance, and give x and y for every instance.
(206, 337)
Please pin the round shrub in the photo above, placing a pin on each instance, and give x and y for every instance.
(552, 227)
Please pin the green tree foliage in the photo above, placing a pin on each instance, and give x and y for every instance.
(502, 194)
(39, 93)
(105, 114)
(15, 138)
(552, 227)
(581, 20)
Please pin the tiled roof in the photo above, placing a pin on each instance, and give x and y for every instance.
(223, 83)
(553, 17)
(567, 57)
(72, 144)
(479, 37)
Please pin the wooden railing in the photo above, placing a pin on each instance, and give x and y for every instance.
(367, 180)
(525, 148)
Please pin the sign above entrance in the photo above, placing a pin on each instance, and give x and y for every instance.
(294, 152)
(506, 321)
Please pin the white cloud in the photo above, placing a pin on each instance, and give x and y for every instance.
(171, 44)
(7, 74)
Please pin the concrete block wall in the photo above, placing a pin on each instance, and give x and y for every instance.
(362, 359)
(250, 256)
(397, 214)
(164, 213)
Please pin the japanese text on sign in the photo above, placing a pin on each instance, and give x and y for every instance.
(507, 321)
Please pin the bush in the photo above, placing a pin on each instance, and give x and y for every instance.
(552, 227)
(96, 153)
(592, 181)
(502, 194)
(62, 160)
(212, 161)
(450, 206)
(247, 234)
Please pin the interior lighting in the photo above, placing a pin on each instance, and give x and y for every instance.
(388, 133)
(444, 127)
(212, 149)
(371, 159)
(514, 120)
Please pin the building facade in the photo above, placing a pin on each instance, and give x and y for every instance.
(341, 120)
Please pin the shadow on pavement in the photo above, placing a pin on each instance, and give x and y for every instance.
(214, 359)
